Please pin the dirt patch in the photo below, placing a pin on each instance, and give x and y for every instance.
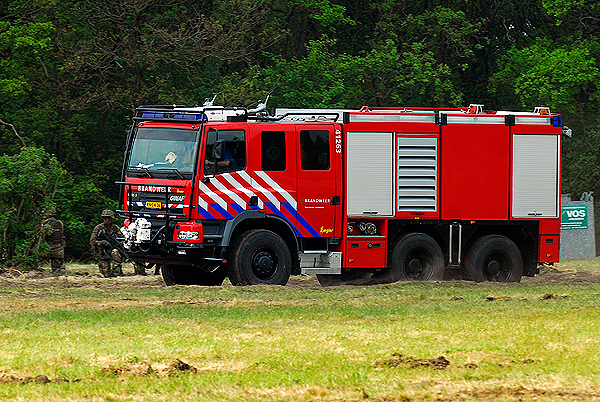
(88, 276)
(6, 378)
(177, 366)
(521, 393)
(550, 296)
(159, 369)
(75, 278)
(145, 369)
(399, 360)
(550, 275)
(304, 281)
(498, 298)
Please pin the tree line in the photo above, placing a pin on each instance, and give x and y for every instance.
(73, 71)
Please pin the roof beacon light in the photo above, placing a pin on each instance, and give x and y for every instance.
(543, 110)
(475, 109)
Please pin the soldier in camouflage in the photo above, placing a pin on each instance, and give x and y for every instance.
(103, 249)
(54, 236)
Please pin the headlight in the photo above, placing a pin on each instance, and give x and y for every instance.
(187, 235)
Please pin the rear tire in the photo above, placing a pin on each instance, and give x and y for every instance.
(259, 257)
(329, 280)
(417, 257)
(494, 258)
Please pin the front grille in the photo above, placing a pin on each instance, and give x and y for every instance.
(155, 204)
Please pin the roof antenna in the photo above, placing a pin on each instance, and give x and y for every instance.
(261, 107)
(210, 102)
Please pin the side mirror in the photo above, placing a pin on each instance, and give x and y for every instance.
(219, 150)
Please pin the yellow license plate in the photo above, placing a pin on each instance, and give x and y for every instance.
(154, 205)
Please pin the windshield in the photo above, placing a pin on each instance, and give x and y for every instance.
(163, 150)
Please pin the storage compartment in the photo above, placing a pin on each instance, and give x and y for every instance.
(370, 177)
(549, 248)
(474, 169)
(366, 253)
(535, 176)
(549, 240)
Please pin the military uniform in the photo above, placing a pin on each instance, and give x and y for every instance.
(54, 236)
(103, 249)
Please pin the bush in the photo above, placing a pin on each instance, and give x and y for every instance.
(28, 182)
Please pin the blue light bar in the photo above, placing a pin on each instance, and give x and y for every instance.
(178, 116)
(556, 121)
(199, 116)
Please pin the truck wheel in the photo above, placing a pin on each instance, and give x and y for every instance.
(494, 258)
(356, 277)
(203, 278)
(330, 280)
(186, 275)
(259, 257)
(171, 274)
(417, 257)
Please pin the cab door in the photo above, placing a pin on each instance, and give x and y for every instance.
(319, 179)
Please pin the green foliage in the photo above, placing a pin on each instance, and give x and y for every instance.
(563, 77)
(580, 17)
(22, 46)
(326, 13)
(324, 78)
(447, 32)
(79, 203)
(581, 161)
(28, 184)
(32, 181)
(559, 8)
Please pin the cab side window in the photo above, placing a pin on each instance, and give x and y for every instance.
(233, 145)
(314, 150)
(272, 150)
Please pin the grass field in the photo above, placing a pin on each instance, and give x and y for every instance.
(85, 338)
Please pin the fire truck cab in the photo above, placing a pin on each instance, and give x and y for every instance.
(369, 196)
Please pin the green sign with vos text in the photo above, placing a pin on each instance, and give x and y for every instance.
(574, 217)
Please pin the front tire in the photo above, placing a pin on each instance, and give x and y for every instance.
(187, 275)
(494, 258)
(259, 257)
(204, 278)
(417, 257)
(171, 274)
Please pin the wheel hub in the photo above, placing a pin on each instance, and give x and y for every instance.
(263, 264)
(415, 267)
(492, 269)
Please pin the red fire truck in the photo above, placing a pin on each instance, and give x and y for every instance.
(368, 196)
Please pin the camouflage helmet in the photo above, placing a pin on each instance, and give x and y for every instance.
(107, 213)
